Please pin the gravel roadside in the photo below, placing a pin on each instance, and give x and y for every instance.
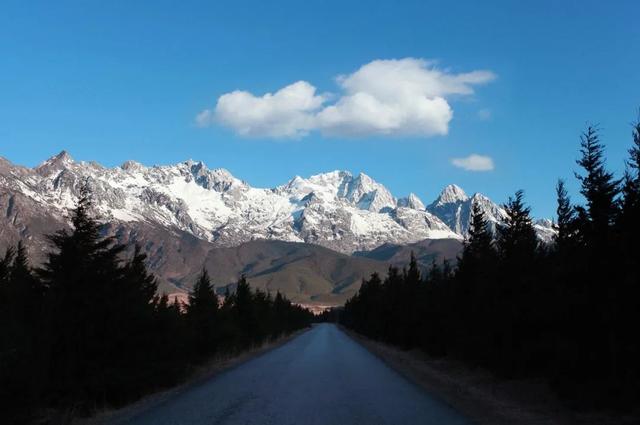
(481, 396)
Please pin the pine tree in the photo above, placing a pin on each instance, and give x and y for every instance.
(626, 310)
(478, 246)
(202, 313)
(5, 267)
(629, 224)
(474, 289)
(518, 287)
(599, 188)
(21, 309)
(565, 226)
(139, 282)
(244, 312)
(413, 273)
(25, 291)
(517, 238)
(281, 307)
(80, 273)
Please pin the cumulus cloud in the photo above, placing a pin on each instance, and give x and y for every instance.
(474, 162)
(289, 112)
(383, 98)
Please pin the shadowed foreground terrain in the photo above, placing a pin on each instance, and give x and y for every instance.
(321, 377)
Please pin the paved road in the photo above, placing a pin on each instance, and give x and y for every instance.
(321, 377)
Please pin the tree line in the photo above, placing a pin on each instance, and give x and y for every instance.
(568, 311)
(88, 328)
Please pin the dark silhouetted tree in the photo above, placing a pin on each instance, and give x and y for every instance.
(202, 313)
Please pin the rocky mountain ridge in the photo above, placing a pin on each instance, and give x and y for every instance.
(338, 210)
(186, 215)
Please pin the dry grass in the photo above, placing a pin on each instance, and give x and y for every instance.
(199, 374)
(484, 398)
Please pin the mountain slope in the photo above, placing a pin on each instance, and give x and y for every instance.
(426, 252)
(185, 216)
(336, 209)
(305, 273)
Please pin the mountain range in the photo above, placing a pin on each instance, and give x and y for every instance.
(298, 238)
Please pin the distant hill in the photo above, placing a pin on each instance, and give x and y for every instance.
(425, 251)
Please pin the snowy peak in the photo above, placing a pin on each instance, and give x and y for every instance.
(55, 163)
(62, 159)
(455, 208)
(412, 201)
(451, 194)
(132, 166)
(338, 210)
(369, 195)
(360, 191)
(217, 179)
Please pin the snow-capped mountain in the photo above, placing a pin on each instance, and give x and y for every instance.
(337, 210)
(186, 215)
(454, 207)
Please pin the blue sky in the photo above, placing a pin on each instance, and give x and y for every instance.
(111, 81)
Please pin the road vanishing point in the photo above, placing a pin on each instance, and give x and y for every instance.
(320, 377)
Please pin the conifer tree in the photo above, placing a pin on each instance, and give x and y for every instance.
(413, 272)
(478, 247)
(629, 224)
(80, 273)
(202, 313)
(517, 238)
(21, 337)
(244, 312)
(565, 225)
(599, 188)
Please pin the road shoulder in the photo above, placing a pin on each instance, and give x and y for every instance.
(482, 397)
(199, 375)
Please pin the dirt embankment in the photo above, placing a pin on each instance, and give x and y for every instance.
(482, 397)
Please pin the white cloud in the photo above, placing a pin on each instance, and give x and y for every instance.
(383, 98)
(474, 162)
(286, 113)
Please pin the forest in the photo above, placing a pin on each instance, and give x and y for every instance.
(87, 330)
(567, 312)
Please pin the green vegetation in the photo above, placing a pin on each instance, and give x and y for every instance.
(568, 312)
(88, 330)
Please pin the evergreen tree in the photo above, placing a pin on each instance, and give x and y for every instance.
(171, 354)
(475, 290)
(413, 273)
(5, 263)
(598, 187)
(517, 239)
(565, 225)
(89, 330)
(21, 298)
(80, 273)
(202, 313)
(244, 312)
(564, 314)
(629, 224)
(478, 247)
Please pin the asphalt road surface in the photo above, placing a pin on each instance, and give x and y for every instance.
(321, 377)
